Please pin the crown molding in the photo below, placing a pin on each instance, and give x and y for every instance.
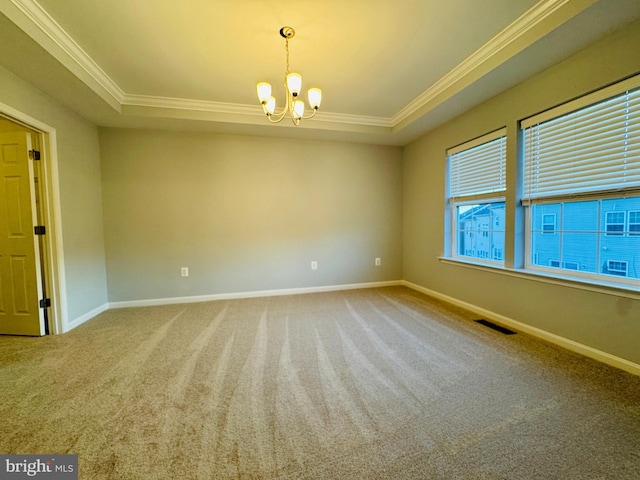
(54, 32)
(242, 109)
(354, 119)
(505, 44)
(190, 104)
(478, 61)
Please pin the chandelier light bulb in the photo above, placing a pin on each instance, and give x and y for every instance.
(270, 107)
(298, 109)
(315, 97)
(264, 92)
(294, 83)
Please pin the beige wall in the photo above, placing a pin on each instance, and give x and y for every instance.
(603, 321)
(246, 213)
(78, 159)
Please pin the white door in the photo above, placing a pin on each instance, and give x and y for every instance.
(20, 282)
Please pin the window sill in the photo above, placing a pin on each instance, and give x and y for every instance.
(607, 288)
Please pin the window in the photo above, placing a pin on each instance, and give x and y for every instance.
(567, 265)
(588, 236)
(548, 223)
(581, 181)
(634, 223)
(614, 223)
(477, 181)
(617, 267)
(476, 240)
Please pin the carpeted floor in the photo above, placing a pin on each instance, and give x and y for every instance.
(362, 384)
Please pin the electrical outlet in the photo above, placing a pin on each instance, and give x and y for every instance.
(184, 272)
(314, 265)
(378, 262)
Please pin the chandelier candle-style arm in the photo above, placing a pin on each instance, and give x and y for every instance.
(292, 88)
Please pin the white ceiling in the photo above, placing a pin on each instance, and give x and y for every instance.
(389, 70)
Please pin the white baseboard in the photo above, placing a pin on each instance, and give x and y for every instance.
(83, 318)
(585, 350)
(257, 293)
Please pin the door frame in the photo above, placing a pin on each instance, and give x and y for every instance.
(52, 257)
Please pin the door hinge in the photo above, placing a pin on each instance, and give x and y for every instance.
(39, 230)
(34, 154)
(45, 302)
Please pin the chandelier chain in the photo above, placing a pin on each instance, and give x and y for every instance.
(286, 42)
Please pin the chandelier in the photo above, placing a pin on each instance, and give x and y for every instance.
(292, 86)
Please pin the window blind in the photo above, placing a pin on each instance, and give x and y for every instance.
(479, 166)
(594, 149)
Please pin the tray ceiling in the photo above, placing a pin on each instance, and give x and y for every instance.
(389, 70)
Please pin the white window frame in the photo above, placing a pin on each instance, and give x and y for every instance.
(544, 230)
(631, 187)
(566, 266)
(607, 223)
(482, 196)
(630, 231)
(621, 262)
(468, 231)
(531, 264)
